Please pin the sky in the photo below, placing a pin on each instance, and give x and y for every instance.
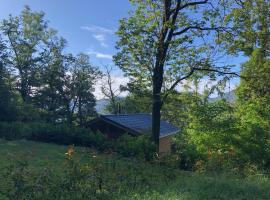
(88, 26)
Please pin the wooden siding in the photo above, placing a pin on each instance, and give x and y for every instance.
(165, 144)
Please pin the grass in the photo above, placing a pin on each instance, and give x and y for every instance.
(157, 182)
(38, 154)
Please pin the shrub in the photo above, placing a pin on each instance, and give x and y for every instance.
(44, 132)
(139, 146)
(126, 145)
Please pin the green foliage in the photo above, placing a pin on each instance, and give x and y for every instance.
(136, 103)
(7, 98)
(211, 129)
(253, 110)
(251, 28)
(51, 86)
(139, 146)
(26, 43)
(59, 134)
(84, 76)
(212, 125)
(126, 145)
(142, 34)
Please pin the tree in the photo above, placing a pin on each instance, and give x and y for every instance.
(250, 22)
(251, 37)
(165, 42)
(83, 79)
(7, 98)
(53, 93)
(26, 38)
(109, 91)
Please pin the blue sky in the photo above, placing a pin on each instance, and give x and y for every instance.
(87, 25)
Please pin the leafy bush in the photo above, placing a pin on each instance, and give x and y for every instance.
(139, 146)
(211, 128)
(187, 152)
(59, 134)
(126, 145)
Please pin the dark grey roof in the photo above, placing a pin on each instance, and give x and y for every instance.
(140, 123)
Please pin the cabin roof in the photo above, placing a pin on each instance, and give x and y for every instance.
(138, 123)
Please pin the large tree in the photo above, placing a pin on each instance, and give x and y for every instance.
(26, 38)
(53, 93)
(165, 42)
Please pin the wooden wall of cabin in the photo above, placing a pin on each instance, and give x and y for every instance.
(110, 130)
(165, 145)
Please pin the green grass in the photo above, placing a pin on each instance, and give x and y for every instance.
(155, 182)
(38, 155)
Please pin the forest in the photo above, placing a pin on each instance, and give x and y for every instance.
(178, 57)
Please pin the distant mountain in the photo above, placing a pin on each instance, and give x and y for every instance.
(103, 103)
(101, 106)
(229, 96)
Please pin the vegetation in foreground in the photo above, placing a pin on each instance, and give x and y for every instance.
(31, 170)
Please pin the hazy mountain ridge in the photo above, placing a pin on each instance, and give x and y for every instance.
(103, 103)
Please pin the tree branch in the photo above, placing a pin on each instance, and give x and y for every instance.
(193, 4)
(198, 28)
(176, 83)
(193, 69)
(218, 71)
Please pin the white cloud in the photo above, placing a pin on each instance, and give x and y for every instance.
(99, 33)
(100, 55)
(101, 39)
(97, 29)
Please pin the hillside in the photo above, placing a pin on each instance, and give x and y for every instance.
(228, 96)
(120, 178)
(102, 103)
(101, 106)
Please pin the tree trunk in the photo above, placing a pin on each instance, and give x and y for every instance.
(156, 119)
(23, 87)
(80, 112)
(156, 104)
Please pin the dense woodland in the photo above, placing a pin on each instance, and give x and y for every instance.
(169, 49)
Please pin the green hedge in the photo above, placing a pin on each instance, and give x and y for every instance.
(59, 134)
(126, 145)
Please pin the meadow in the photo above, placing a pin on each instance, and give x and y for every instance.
(33, 170)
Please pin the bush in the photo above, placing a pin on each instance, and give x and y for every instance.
(139, 146)
(126, 145)
(59, 134)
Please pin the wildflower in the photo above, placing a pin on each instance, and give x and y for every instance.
(70, 151)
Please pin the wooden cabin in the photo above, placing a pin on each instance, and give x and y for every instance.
(134, 124)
